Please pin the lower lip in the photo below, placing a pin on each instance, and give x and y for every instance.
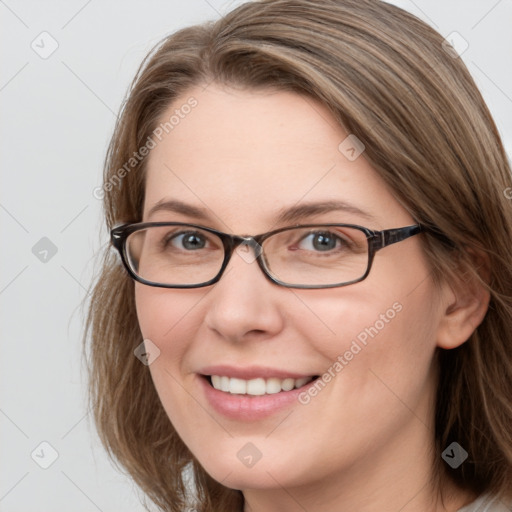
(247, 407)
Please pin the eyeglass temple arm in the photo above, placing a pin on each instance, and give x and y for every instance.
(392, 236)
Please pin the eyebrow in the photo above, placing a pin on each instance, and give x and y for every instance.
(285, 215)
(299, 212)
(176, 206)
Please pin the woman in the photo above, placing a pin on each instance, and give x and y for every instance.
(357, 354)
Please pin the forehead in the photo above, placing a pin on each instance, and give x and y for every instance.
(243, 155)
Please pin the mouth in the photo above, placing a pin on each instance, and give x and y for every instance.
(252, 393)
(258, 386)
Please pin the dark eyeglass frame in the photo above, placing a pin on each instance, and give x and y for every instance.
(376, 240)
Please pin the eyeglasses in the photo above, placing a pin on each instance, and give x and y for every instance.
(179, 255)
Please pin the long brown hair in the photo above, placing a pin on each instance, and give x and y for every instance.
(387, 78)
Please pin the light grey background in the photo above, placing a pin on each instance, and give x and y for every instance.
(57, 114)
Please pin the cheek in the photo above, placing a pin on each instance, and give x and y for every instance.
(356, 321)
(377, 341)
(378, 368)
(168, 318)
(163, 313)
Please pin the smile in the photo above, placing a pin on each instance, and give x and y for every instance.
(251, 393)
(257, 386)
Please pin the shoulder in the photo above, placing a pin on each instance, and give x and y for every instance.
(487, 503)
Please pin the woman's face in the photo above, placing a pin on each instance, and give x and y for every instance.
(242, 159)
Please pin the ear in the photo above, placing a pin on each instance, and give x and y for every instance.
(465, 303)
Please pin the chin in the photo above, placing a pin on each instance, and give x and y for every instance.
(234, 477)
(240, 465)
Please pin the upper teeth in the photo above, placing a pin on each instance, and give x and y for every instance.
(257, 386)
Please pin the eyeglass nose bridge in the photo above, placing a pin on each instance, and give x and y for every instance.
(242, 245)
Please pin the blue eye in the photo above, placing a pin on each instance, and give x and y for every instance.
(320, 241)
(189, 240)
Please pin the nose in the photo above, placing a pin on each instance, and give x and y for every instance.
(244, 304)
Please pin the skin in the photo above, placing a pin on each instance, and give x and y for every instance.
(365, 441)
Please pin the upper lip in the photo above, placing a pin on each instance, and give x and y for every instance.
(251, 372)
